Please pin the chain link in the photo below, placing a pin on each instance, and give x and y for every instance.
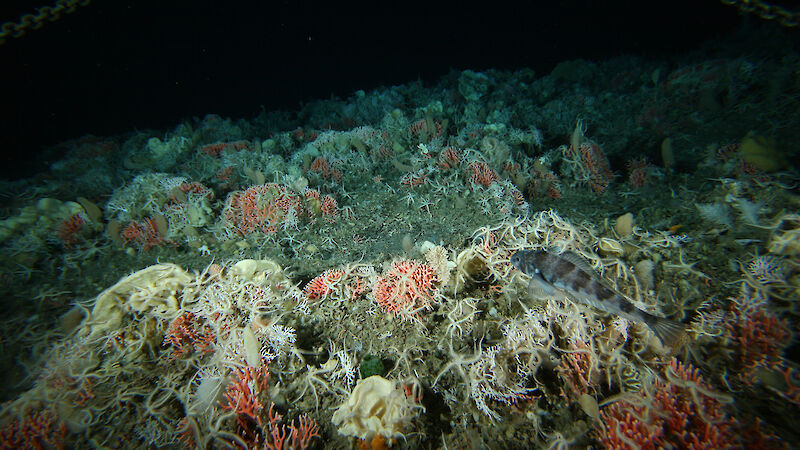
(785, 17)
(35, 21)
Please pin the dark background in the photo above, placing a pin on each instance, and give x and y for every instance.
(116, 66)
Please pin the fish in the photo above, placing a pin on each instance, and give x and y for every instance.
(569, 273)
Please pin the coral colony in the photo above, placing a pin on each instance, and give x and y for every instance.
(347, 280)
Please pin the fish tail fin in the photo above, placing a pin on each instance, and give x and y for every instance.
(671, 332)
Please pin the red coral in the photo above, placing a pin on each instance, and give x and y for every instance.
(321, 166)
(243, 397)
(196, 188)
(225, 173)
(544, 183)
(330, 209)
(625, 427)
(594, 163)
(695, 418)
(69, 231)
(323, 285)
(413, 179)
(186, 335)
(426, 129)
(577, 370)
(407, 288)
(284, 436)
(637, 171)
(449, 158)
(357, 288)
(300, 436)
(300, 135)
(595, 160)
(261, 208)
(144, 233)
(682, 413)
(36, 429)
(791, 378)
(482, 174)
(759, 337)
(216, 149)
(311, 194)
(187, 428)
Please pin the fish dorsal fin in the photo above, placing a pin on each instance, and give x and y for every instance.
(579, 262)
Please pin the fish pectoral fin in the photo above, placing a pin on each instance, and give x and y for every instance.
(671, 333)
(540, 288)
(586, 299)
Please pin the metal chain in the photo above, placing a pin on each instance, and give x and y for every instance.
(35, 21)
(785, 17)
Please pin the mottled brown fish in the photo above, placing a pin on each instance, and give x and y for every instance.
(571, 274)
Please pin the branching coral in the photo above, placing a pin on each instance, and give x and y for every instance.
(757, 336)
(682, 413)
(183, 350)
(407, 288)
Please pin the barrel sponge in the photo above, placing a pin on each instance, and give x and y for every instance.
(263, 271)
(376, 406)
(154, 289)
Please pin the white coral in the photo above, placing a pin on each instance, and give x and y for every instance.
(716, 213)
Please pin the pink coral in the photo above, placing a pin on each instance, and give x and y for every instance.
(407, 288)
